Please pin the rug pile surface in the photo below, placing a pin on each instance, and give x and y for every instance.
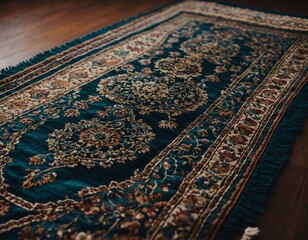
(170, 125)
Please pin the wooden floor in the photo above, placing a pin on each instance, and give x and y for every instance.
(30, 27)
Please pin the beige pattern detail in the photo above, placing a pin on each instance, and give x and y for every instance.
(4, 207)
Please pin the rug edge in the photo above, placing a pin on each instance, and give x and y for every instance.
(243, 215)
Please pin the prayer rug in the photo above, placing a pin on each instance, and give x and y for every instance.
(169, 125)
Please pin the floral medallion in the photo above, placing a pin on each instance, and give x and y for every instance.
(162, 94)
(218, 50)
(99, 141)
(179, 67)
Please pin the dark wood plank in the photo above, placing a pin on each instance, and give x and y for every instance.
(299, 7)
(297, 227)
(286, 214)
(277, 217)
(30, 27)
(299, 155)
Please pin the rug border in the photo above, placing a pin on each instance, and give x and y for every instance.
(275, 156)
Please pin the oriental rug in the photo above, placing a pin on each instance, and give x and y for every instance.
(169, 125)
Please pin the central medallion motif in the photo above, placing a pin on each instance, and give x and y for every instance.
(216, 49)
(164, 94)
(114, 136)
(180, 67)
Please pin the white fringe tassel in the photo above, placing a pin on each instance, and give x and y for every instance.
(250, 232)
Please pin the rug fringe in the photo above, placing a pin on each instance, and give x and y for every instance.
(250, 233)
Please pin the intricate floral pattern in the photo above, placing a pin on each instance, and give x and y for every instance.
(216, 49)
(164, 94)
(179, 67)
(115, 136)
(153, 132)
